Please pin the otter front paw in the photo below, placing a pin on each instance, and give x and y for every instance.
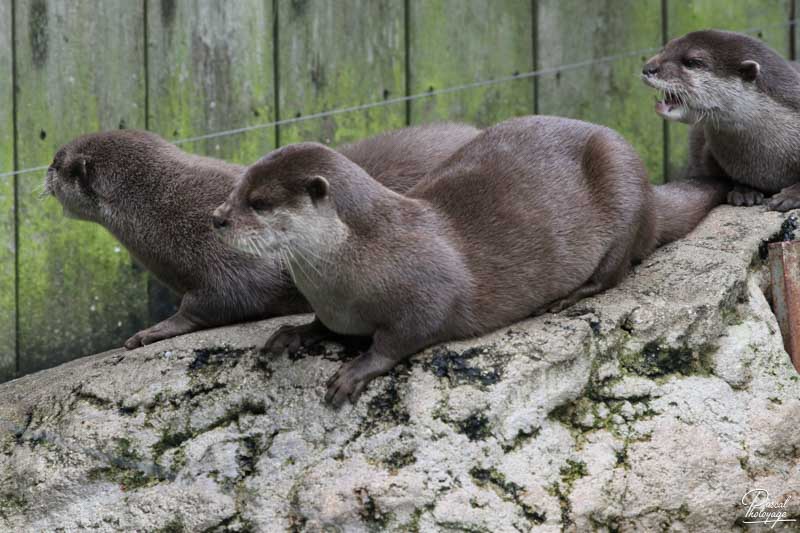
(147, 336)
(292, 338)
(348, 382)
(353, 377)
(134, 342)
(560, 305)
(286, 337)
(745, 196)
(786, 200)
(175, 325)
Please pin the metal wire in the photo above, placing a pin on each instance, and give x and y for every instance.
(419, 96)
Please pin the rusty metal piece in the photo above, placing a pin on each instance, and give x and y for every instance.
(784, 268)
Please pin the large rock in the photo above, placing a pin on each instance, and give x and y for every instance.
(654, 406)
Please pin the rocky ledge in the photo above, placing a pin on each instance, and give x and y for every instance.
(655, 406)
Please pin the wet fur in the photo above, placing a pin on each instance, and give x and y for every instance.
(157, 201)
(744, 128)
(534, 213)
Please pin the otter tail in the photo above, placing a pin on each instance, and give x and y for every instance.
(681, 205)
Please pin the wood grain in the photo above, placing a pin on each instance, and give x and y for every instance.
(80, 69)
(210, 69)
(455, 42)
(340, 54)
(8, 312)
(609, 93)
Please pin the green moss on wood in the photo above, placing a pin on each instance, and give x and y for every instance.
(78, 291)
(608, 93)
(221, 81)
(448, 47)
(330, 59)
(8, 313)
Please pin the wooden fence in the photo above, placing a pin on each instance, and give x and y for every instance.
(184, 68)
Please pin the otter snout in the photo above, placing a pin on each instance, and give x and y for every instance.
(650, 68)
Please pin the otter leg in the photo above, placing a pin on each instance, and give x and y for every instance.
(188, 318)
(292, 338)
(609, 272)
(352, 378)
(786, 200)
(745, 196)
(589, 288)
(177, 324)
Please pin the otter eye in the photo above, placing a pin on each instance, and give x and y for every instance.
(260, 205)
(77, 171)
(692, 63)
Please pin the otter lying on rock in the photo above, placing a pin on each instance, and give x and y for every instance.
(743, 102)
(533, 214)
(157, 201)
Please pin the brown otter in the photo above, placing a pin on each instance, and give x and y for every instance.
(743, 102)
(158, 200)
(533, 214)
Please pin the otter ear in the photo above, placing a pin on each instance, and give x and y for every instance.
(317, 188)
(749, 70)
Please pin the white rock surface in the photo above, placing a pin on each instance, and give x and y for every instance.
(652, 407)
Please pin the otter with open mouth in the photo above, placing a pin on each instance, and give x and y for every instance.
(742, 100)
(533, 214)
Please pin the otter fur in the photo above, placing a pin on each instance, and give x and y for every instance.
(533, 214)
(742, 100)
(158, 200)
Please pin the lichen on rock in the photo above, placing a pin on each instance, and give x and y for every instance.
(655, 405)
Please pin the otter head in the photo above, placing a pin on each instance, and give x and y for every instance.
(706, 74)
(282, 206)
(87, 172)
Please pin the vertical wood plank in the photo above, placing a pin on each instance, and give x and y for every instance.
(340, 54)
(8, 310)
(610, 93)
(210, 69)
(80, 69)
(794, 32)
(766, 20)
(456, 42)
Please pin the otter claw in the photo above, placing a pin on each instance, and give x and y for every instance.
(145, 337)
(745, 197)
(347, 383)
(783, 202)
(133, 343)
(285, 338)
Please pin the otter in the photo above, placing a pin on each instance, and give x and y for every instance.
(158, 200)
(533, 214)
(742, 100)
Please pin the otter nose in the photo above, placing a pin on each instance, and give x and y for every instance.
(219, 217)
(650, 69)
